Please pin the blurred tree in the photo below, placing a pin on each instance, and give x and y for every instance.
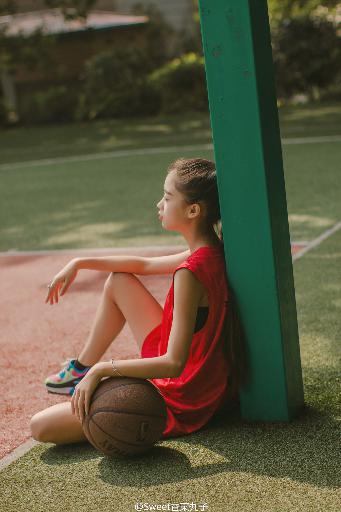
(159, 35)
(306, 48)
(69, 8)
(280, 9)
(8, 7)
(33, 52)
(306, 54)
(72, 8)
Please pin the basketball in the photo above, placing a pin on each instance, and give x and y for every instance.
(126, 416)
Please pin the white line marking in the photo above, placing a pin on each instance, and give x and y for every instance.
(104, 155)
(119, 250)
(314, 243)
(106, 250)
(308, 245)
(148, 151)
(17, 453)
(311, 140)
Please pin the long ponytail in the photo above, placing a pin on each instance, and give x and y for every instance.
(234, 346)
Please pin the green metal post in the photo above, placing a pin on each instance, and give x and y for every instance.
(248, 156)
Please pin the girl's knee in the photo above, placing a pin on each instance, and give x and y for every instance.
(57, 425)
(37, 427)
(115, 278)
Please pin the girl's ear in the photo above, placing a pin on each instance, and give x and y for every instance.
(194, 210)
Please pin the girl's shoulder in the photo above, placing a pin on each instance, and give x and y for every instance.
(207, 255)
(205, 262)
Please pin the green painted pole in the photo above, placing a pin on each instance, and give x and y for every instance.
(248, 156)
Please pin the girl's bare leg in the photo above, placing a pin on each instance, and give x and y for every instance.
(124, 298)
(58, 425)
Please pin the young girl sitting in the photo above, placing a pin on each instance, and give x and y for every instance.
(192, 350)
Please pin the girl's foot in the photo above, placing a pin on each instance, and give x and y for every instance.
(64, 382)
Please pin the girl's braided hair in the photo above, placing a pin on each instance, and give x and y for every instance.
(196, 180)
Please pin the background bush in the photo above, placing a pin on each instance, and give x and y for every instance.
(165, 72)
(306, 54)
(56, 104)
(181, 84)
(3, 112)
(115, 84)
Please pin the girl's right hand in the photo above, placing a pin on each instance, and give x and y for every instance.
(61, 282)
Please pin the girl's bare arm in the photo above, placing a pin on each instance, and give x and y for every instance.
(130, 264)
(133, 264)
(159, 367)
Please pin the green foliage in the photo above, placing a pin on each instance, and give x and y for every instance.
(33, 53)
(72, 8)
(8, 7)
(283, 9)
(181, 84)
(303, 67)
(157, 34)
(36, 52)
(115, 84)
(53, 105)
(166, 72)
(306, 53)
(3, 113)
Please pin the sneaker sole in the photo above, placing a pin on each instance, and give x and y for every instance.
(69, 383)
(63, 391)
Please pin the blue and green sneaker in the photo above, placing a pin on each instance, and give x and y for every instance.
(64, 382)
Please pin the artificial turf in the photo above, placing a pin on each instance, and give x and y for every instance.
(111, 202)
(20, 144)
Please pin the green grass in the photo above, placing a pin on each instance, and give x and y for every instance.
(112, 202)
(231, 464)
(313, 188)
(22, 144)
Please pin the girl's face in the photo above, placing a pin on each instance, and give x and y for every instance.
(172, 207)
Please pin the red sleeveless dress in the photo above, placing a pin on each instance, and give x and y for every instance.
(193, 397)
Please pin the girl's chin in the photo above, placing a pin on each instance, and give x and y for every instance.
(163, 225)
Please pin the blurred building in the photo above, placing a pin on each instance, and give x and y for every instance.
(109, 23)
(178, 13)
(78, 40)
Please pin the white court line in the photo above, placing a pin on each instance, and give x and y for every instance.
(103, 156)
(317, 241)
(311, 140)
(118, 250)
(149, 151)
(17, 453)
(106, 250)
(25, 447)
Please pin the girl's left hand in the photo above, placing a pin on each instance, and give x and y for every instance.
(84, 390)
